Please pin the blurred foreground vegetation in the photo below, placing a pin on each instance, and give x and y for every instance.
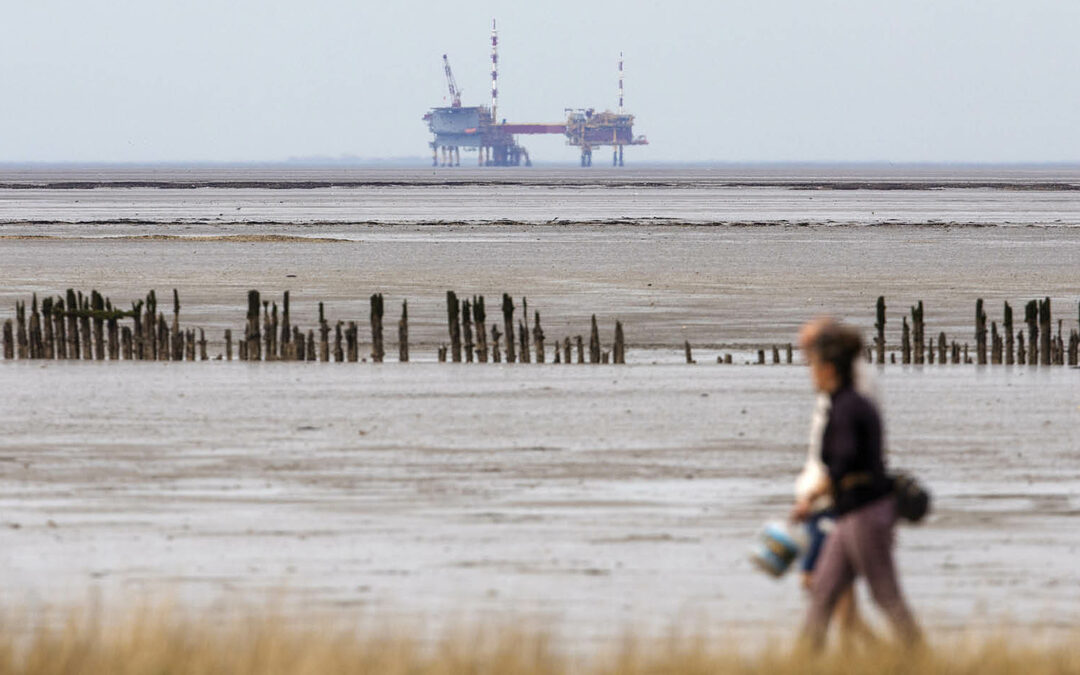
(157, 644)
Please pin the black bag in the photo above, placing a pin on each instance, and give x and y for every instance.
(912, 498)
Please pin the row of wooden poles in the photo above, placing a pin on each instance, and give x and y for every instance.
(87, 327)
(1006, 347)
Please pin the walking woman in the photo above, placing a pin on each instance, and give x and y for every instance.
(812, 484)
(862, 540)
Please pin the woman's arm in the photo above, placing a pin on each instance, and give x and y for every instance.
(803, 504)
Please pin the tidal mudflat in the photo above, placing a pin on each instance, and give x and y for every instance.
(593, 498)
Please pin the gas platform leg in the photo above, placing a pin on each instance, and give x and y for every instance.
(457, 156)
(615, 157)
(620, 155)
(434, 155)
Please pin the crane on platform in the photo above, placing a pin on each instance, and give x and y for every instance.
(451, 84)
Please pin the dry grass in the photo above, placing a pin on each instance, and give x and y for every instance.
(149, 643)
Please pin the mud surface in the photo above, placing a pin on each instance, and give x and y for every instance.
(718, 287)
(594, 498)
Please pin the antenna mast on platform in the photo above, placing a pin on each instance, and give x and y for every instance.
(494, 73)
(620, 84)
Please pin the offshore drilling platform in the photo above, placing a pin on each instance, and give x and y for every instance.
(478, 127)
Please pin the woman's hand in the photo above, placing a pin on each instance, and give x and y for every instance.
(801, 509)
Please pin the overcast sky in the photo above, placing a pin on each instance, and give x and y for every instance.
(723, 80)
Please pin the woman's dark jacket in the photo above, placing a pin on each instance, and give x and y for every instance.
(851, 451)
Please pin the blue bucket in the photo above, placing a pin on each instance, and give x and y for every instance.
(778, 546)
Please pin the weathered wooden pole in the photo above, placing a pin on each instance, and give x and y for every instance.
(466, 329)
(1074, 347)
(930, 351)
(252, 336)
(176, 348)
(288, 349)
(339, 351)
(567, 351)
(59, 329)
(1021, 356)
(202, 345)
(403, 333)
(580, 348)
(97, 307)
(955, 352)
(48, 337)
(761, 357)
(523, 343)
(508, 327)
(942, 345)
(163, 338)
(594, 342)
(980, 332)
(272, 334)
(790, 349)
(296, 345)
(324, 336)
(688, 352)
(1059, 349)
(538, 339)
(149, 326)
(113, 331)
(267, 333)
(34, 334)
(905, 342)
(879, 341)
(1007, 324)
(228, 345)
(72, 307)
(22, 342)
(480, 321)
(558, 354)
(9, 340)
(967, 359)
(84, 327)
(1031, 317)
(286, 330)
(775, 355)
(378, 352)
(126, 345)
(442, 354)
(995, 345)
(918, 333)
(310, 345)
(453, 309)
(523, 354)
(26, 328)
(1045, 333)
(352, 348)
(496, 356)
(618, 350)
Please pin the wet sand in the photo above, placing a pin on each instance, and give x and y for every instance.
(595, 499)
(719, 287)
